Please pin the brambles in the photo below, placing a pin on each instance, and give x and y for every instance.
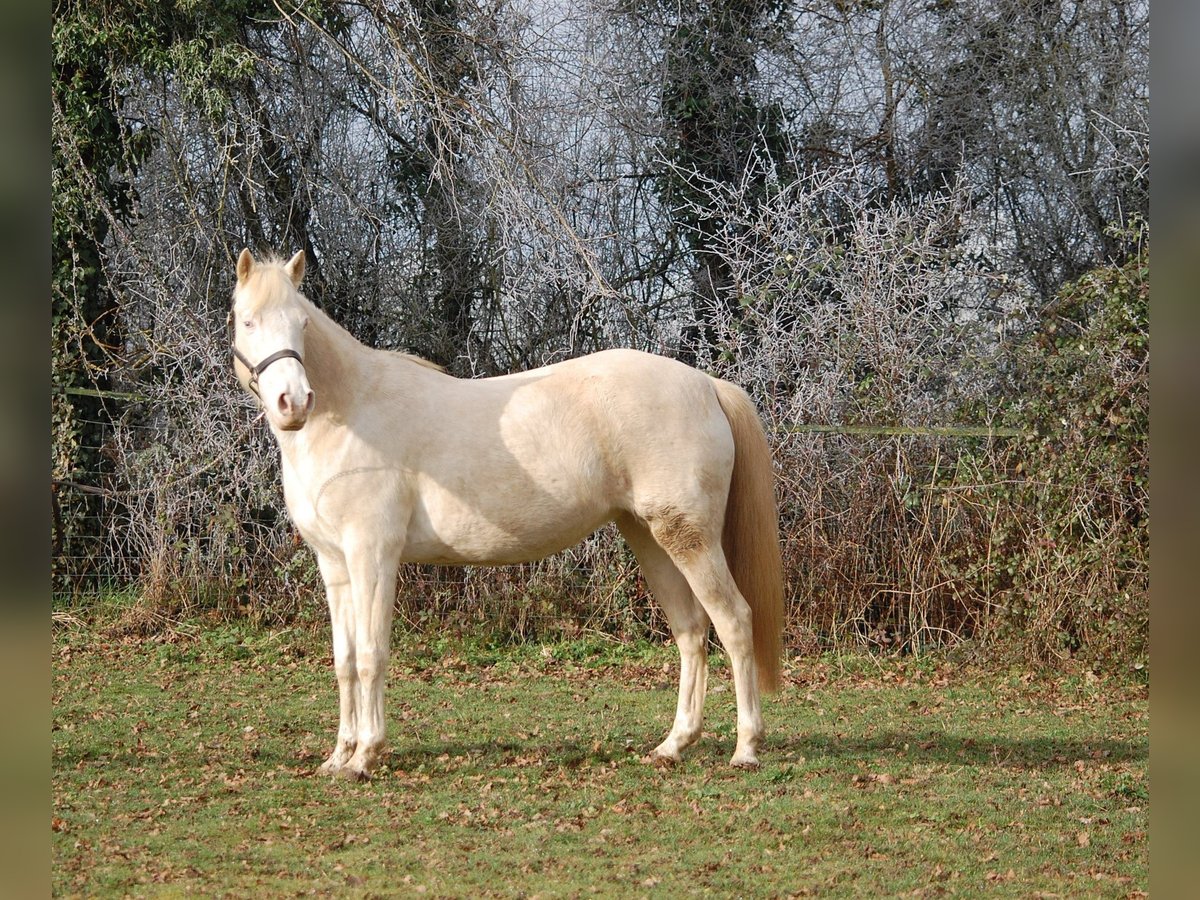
(1071, 540)
(859, 214)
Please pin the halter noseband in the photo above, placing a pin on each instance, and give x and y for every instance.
(254, 370)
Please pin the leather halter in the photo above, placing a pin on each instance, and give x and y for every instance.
(254, 370)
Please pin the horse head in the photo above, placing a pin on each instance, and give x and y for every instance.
(267, 324)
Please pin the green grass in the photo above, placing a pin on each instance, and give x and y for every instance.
(183, 766)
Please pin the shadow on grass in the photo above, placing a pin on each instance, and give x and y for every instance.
(963, 749)
(895, 751)
(904, 748)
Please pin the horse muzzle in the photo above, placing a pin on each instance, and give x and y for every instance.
(291, 409)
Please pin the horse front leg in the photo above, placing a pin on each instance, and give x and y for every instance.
(373, 593)
(341, 617)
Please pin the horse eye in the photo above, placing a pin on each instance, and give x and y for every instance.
(247, 323)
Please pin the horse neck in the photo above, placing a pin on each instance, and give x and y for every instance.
(333, 361)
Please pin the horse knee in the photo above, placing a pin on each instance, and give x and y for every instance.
(371, 665)
(369, 673)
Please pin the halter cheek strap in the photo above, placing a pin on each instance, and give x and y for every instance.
(254, 370)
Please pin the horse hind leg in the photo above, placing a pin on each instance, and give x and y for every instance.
(696, 552)
(689, 625)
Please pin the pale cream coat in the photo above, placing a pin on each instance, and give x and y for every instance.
(387, 459)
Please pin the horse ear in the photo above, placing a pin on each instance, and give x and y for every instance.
(245, 264)
(295, 268)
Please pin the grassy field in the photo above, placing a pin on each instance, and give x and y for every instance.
(183, 766)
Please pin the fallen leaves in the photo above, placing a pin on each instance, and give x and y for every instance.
(503, 769)
(347, 840)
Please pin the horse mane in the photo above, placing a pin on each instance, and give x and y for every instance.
(422, 361)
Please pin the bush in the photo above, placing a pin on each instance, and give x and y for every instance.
(1067, 557)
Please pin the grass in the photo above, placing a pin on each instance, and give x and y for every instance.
(182, 766)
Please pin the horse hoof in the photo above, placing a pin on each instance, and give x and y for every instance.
(746, 764)
(357, 776)
(661, 760)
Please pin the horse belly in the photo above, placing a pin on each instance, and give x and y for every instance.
(500, 527)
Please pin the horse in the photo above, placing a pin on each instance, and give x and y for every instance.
(388, 459)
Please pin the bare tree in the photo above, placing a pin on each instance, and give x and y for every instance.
(850, 208)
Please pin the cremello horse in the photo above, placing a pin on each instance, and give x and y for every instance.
(387, 459)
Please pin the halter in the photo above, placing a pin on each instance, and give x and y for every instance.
(254, 370)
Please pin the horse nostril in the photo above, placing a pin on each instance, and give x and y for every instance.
(290, 409)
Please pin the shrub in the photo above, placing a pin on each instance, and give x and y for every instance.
(1067, 556)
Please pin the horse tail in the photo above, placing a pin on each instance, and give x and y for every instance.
(751, 536)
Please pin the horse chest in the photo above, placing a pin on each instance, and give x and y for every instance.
(302, 509)
(326, 502)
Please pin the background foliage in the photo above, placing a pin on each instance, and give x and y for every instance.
(895, 223)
